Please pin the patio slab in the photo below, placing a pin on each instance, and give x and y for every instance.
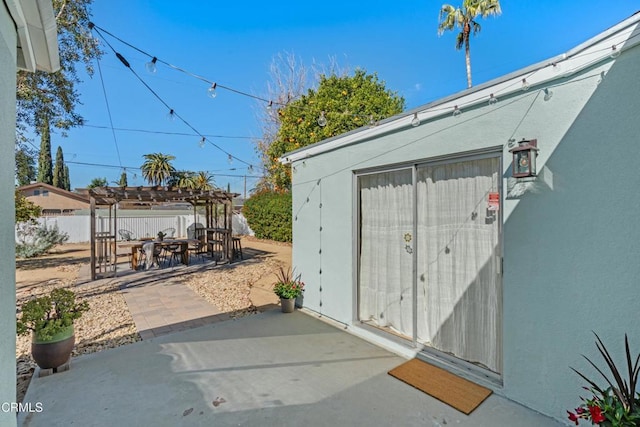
(262, 370)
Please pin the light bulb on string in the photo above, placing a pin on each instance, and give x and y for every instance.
(372, 121)
(492, 100)
(202, 142)
(615, 52)
(602, 76)
(415, 121)
(212, 91)
(250, 169)
(270, 106)
(556, 67)
(151, 66)
(171, 115)
(230, 159)
(322, 120)
(548, 94)
(456, 111)
(525, 85)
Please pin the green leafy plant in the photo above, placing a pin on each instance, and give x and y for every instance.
(161, 235)
(287, 286)
(269, 215)
(49, 315)
(617, 405)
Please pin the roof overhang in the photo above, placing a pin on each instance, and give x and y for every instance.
(596, 50)
(37, 34)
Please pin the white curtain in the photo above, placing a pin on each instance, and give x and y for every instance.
(386, 216)
(459, 293)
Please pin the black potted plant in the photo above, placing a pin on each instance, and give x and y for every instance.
(50, 320)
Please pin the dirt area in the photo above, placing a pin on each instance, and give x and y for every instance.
(241, 290)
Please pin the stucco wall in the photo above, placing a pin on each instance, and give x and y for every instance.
(53, 200)
(7, 213)
(570, 246)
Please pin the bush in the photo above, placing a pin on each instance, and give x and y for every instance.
(35, 239)
(269, 215)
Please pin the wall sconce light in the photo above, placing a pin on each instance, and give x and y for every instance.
(524, 158)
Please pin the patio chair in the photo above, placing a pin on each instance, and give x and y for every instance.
(176, 253)
(199, 248)
(169, 232)
(126, 235)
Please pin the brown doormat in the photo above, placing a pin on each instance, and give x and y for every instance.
(463, 395)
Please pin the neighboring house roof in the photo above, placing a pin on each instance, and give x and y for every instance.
(37, 34)
(53, 189)
(619, 37)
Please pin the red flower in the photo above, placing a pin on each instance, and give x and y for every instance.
(596, 414)
(573, 417)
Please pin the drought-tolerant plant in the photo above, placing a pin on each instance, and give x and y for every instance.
(35, 239)
(287, 286)
(50, 314)
(618, 404)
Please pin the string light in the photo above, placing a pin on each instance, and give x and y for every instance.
(322, 120)
(416, 121)
(270, 106)
(602, 75)
(548, 94)
(151, 66)
(615, 52)
(525, 85)
(456, 111)
(492, 100)
(372, 121)
(202, 142)
(212, 91)
(556, 67)
(230, 158)
(171, 115)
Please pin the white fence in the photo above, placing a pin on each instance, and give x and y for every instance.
(78, 227)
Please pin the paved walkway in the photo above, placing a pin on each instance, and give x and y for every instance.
(160, 303)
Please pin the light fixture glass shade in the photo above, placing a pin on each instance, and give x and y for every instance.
(525, 85)
(171, 116)
(212, 91)
(548, 94)
(415, 121)
(151, 66)
(615, 52)
(202, 142)
(322, 120)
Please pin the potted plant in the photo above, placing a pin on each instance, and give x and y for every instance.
(288, 288)
(50, 320)
(616, 404)
(161, 236)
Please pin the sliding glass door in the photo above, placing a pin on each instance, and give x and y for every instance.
(430, 256)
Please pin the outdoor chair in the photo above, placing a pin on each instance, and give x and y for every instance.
(151, 253)
(176, 252)
(169, 232)
(126, 234)
(199, 248)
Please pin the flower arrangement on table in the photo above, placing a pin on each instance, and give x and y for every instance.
(617, 405)
(287, 286)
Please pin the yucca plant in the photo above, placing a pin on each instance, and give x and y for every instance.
(617, 405)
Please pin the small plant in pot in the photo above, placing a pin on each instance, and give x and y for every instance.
(161, 236)
(50, 320)
(288, 288)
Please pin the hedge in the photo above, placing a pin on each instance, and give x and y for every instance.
(269, 215)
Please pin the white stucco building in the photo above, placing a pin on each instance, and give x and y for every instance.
(415, 234)
(27, 41)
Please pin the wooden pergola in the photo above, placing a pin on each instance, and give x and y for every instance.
(103, 243)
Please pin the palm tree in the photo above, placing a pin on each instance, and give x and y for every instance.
(192, 180)
(203, 181)
(157, 168)
(464, 18)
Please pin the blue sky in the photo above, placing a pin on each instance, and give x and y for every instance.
(233, 44)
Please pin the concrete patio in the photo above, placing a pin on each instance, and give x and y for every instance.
(261, 370)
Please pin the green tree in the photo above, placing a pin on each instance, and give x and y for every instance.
(340, 104)
(464, 19)
(45, 164)
(25, 167)
(157, 168)
(25, 209)
(53, 96)
(123, 180)
(98, 182)
(67, 180)
(59, 170)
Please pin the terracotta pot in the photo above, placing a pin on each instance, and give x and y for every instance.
(54, 352)
(287, 304)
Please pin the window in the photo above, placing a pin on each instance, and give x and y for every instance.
(45, 193)
(36, 192)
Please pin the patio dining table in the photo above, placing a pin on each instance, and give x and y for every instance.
(136, 246)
